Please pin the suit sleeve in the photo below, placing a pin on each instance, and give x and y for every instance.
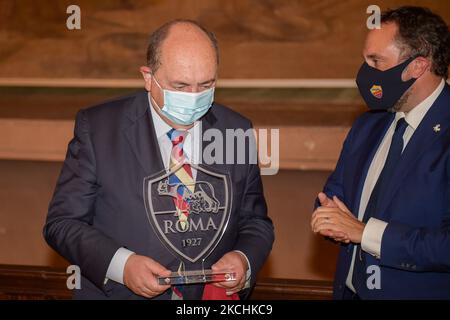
(256, 233)
(68, 228)
(418, 249)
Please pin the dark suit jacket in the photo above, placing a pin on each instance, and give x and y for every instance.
(98, 203)
(415, 249)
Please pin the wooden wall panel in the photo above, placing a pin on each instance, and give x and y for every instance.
(297, 252)
(25, 191)
(258, 39)
(315, 148)
(18, 139)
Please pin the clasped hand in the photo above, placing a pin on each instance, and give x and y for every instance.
(334, 220)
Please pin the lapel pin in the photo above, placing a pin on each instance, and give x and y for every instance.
(437, 128)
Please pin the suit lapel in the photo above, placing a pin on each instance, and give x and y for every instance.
(142, 137)
(207, 122)
(422, 139)
(366, 155)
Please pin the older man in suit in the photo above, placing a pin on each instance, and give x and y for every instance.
(124, 231)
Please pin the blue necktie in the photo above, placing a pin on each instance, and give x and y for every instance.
(393, 157)
(395, 152)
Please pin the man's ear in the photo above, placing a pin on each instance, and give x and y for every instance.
(418, 67)
(147, 75)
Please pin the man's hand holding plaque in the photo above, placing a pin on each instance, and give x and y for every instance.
(232, 262)
(140, 276)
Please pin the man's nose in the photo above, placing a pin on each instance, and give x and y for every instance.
(195, 89)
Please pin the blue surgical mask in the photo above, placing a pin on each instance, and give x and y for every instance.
(184, 108)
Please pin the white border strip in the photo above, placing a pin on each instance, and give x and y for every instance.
(137, 83)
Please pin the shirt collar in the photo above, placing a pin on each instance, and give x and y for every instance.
(161, 127)
(193, 139)
(415, 116)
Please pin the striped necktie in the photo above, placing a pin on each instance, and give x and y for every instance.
(181, 179)
(184, 183)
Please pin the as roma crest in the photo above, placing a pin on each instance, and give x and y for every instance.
(189, 219)
(377, 91)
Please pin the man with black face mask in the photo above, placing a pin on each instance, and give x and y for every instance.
(388, 201)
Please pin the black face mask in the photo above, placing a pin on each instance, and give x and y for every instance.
(382, 89)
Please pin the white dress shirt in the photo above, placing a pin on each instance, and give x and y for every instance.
(374, 229)
(192, 151)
